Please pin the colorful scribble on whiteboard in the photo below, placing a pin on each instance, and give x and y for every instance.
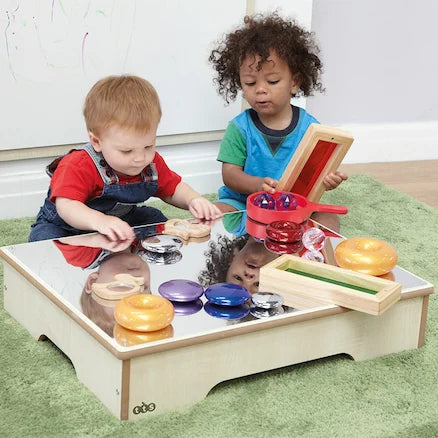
(48, 41)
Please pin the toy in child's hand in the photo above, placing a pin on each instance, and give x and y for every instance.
(304, 209)
(367, 255)
(286, 201)
(144, 312)
(264, 200)
(122, 286)
(185, 229)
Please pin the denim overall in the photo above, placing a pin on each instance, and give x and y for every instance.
(116, 200)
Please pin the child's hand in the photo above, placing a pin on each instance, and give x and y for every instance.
(332, 180)
(114, 245)
(268, 185)
(202, 208)
(96, 240)
(115, 229)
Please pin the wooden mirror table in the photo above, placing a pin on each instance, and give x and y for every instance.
(44, 291)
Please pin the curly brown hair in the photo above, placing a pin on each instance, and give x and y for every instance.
(259, 36)
(219, 256)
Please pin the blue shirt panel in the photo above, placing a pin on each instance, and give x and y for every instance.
(260, 161)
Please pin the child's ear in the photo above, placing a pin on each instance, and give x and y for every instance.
(296, 84)
(92, 278)
(95, 142)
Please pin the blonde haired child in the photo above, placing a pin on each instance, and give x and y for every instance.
(97, 187)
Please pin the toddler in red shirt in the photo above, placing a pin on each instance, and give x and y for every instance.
(97, 187)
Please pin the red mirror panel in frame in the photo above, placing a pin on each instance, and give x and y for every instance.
(320, 152)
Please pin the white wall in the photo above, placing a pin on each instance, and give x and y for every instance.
(23, 184)
(53, 52)
(379, 73)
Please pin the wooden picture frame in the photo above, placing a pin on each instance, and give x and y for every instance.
(320, 152)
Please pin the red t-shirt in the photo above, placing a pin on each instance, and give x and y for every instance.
(81, 256)
(77, 178)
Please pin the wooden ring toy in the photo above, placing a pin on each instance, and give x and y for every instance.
(284, 231)
(185, 229)
(103, 302)
(367, 255)
(122, 286)
(144, 312)
(128, 338)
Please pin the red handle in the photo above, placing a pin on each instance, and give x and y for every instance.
(328, 208)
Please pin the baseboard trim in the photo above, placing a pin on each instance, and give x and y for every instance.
(392, 142)
(24, 183)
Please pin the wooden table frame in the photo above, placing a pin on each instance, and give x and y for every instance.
(150, 378)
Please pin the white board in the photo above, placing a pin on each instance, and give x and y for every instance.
(53, 51)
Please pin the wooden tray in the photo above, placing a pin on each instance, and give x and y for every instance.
(296, 278)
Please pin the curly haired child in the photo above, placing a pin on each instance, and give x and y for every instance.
(270, 60)
(236, 261)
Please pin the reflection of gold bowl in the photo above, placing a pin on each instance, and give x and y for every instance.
(128, 338)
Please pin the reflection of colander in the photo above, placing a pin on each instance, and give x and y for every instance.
(302, 212)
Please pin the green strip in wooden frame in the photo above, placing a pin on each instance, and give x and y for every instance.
(329, 280)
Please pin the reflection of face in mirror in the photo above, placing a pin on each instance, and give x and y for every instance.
(235, 261)
(121, 263)
(101, 311)
(245, 267)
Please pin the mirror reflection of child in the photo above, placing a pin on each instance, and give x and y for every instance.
(88, 250)
(98, 186)
(236, 261)
(107, 259)
(99, 310)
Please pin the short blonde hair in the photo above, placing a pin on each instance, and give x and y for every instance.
(127, 101)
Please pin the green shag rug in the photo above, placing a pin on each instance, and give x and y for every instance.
(392, 396)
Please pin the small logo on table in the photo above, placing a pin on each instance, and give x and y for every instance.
(143, 408)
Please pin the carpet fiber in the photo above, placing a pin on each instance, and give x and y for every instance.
(392, 396)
